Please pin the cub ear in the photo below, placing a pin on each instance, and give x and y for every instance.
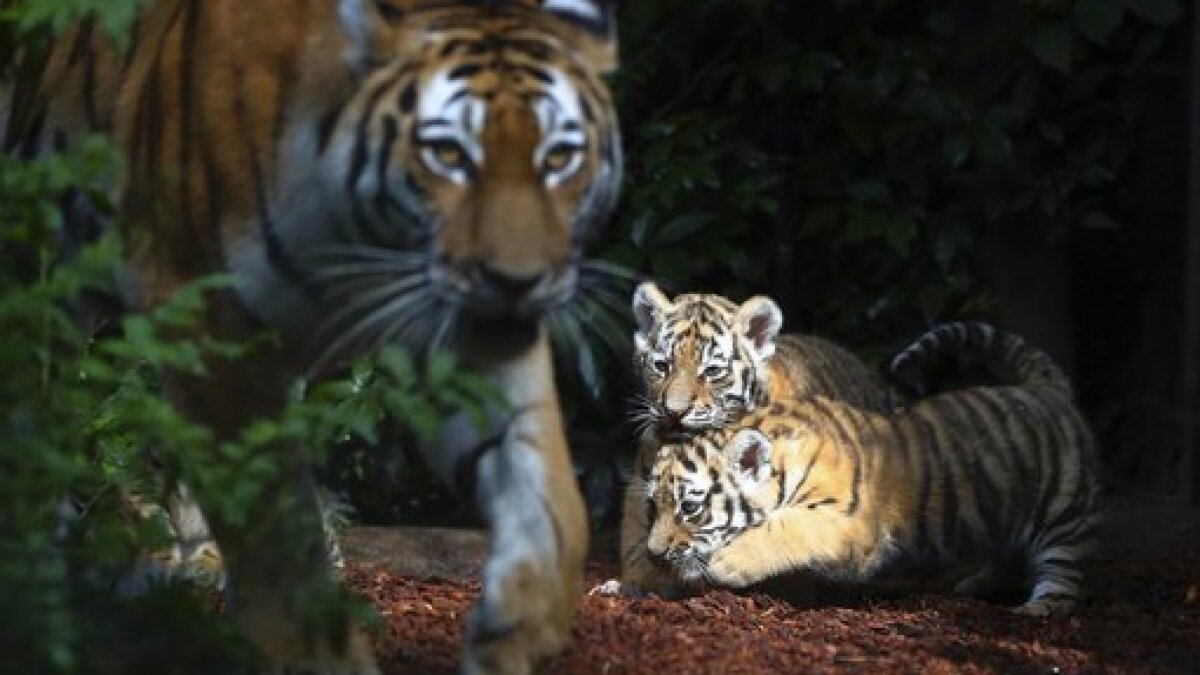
(749, 453)
(649, 306)
(759, 320)
(594, 24)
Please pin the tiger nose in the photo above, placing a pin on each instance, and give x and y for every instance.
(513, 286)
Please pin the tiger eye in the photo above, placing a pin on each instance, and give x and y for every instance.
(557, 159)
(449, 155)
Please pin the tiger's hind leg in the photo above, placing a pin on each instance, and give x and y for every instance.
(1054, 568)
(1057, 586)
(281, 589)
(987, 580)
(520, 475)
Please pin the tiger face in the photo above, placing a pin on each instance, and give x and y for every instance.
(473, 151)
(704, 493)
(702, 359)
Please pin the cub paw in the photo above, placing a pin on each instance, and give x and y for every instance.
(612, 587)
(724, 571)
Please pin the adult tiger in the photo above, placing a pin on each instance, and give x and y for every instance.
(1002, 476)
(416, 170)
(704, 362)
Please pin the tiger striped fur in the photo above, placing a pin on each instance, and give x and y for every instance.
(977, 349)
(705, 362)
(372, 171)
(1004, 476)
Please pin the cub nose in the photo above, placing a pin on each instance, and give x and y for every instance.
(658, 559)
(673, 417)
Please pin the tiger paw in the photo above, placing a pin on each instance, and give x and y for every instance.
(1046, 607)
(521, 621)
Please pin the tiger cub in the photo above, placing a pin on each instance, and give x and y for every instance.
(705, 362)
(1005, 476)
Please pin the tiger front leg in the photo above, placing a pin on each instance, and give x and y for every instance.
(790, 541)
(749, 558)
(520, 476)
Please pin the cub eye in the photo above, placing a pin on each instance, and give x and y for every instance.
(561, 160)
(690, 507)
(445, 157)
(661, 366)
(714, 371)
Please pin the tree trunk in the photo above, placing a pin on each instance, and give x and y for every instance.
(1190, 357)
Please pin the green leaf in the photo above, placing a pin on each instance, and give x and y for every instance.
(900, 233)
(639, 231)
(439, 368)
(398, 363)
(1051, 132)
(1097, 19)
(682, 227)
(1157, 12)
(869, 191)
(957, 149)
(1053, 44)
(1099, 220)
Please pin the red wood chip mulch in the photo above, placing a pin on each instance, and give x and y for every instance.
(1143, 617)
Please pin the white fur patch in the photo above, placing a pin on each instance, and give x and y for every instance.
(585, 9)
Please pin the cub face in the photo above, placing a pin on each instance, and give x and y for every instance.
(702, 359)
(704, 493)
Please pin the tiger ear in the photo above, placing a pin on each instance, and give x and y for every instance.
(594, 24)
(759, 320)
(365, 23)
(649, 306)
(749, 454)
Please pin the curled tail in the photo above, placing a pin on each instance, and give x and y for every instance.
(978, 354)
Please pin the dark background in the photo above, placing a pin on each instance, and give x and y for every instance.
(879, 166)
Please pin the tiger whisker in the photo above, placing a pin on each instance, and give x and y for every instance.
(611, 269)
(605, 336)
(449, 319)
(368, 299)
(360, 269)
(609, 297)
(406, 325)
(383, 314)
(409, 259)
